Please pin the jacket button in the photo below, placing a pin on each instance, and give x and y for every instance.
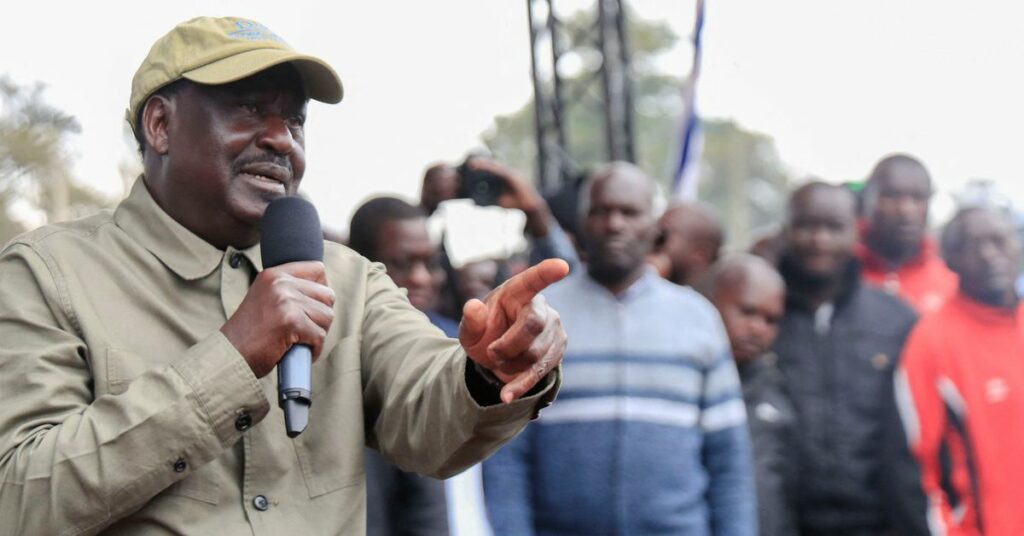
(236, 260)
(243, 422)
(180, 465)
(261, 503)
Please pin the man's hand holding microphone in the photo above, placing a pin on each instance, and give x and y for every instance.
(512, 333)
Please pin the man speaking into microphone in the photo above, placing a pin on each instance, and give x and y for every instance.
(137, 347)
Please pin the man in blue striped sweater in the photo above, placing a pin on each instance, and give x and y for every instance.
(648, 436)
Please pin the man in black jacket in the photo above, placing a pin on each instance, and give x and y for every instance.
(750, 294)
(838, 344)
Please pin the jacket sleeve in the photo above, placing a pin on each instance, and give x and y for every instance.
(726, 451)
(508, 476)
(72, 463)
(900, 474)
(420, 414)
(923, 413)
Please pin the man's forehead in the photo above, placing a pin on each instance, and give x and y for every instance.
(904, 176)
(622, 190)
(405, 231)
(824, 203)
(987, 223)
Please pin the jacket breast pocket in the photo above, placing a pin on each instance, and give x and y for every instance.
(871, 373)
(123, 368)
(330, 450)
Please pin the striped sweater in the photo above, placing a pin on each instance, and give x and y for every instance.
(648, 435)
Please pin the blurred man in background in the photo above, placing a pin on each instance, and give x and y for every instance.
(961, 384)
(750, 295)
(690, 241)
(837, 346)
(393, 232)
(390, 231)
(650, 436)
(896, 252)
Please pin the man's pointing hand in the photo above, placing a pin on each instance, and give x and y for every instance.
(514, 333)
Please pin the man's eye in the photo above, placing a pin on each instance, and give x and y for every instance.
(250, 107)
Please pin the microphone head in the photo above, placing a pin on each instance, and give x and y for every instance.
(290, 231)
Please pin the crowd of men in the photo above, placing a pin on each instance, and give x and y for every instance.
(850, 376)
(856, 378)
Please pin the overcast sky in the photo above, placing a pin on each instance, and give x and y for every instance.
(837, 84)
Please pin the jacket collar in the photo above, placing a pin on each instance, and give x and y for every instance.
(185, 253)
(873, 261)
(641, 286)
(984, 313)
(797, 286)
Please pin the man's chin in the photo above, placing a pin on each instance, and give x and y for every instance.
(251, 209)
(420, 303)
(610, 273)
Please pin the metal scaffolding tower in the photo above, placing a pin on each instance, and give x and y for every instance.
(549, 41)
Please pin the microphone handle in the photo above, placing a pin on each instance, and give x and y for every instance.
(294, 375)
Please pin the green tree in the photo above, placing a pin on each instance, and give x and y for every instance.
(656, 108)
(742, 176)
(741, 173)
(35, 164)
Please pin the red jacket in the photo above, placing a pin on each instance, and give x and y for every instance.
(960, 388)
(924, 281)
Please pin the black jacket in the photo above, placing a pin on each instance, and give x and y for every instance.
(838, 363)
(772, 422)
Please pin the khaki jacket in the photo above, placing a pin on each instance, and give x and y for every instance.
(124, 410)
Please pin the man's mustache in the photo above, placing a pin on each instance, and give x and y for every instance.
(267, 158)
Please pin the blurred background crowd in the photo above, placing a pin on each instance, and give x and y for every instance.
(849, 373)
(753, 350)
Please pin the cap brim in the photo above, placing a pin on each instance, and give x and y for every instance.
(322, 83)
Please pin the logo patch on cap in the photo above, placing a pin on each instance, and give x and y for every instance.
(254, 31)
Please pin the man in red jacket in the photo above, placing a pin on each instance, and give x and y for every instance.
(895, 251)
(960, 386)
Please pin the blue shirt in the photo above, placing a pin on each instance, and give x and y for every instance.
(648, 435)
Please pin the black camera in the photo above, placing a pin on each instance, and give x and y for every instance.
(483, 187)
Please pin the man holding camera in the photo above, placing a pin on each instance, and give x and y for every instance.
(489, 183)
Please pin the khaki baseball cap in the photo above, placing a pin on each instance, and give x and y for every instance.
(215, 51)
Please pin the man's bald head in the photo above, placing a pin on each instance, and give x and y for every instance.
(692, 237)
(619, 171)
(749, 294)
(738, 271)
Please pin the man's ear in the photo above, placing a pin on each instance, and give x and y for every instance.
(155, 120)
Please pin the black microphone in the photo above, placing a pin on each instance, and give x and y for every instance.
(290, 232)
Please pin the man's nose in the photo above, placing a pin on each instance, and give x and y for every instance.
(616, 221)
(761, 328)
(908, 205)
(821, 236)
(989, 252)
(420, 276)
(276, 136)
